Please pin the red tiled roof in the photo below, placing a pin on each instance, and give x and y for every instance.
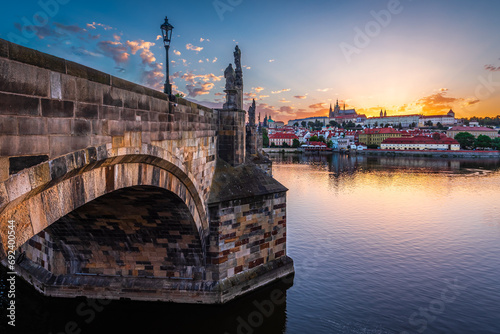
(283, 136)
(469, 128)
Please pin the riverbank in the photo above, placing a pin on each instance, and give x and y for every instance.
(393, 153)
(433, 154)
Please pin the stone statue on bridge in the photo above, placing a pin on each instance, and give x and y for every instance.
(230, 77)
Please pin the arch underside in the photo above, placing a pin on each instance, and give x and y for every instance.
(135, 232)
(39, 208)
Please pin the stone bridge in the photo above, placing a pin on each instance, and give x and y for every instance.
(117, 191)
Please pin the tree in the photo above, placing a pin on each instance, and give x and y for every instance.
(466, 140)
(436, 136)
(428, 123)
(310, 125)
(265, 138)
(296, 143)
(329, 144)
(400, 126)
(412, 125)
(273, 145)
(285, 144)
(440, 126)
(333, 123)
(314, 138)
(296, 124)
(495, 143)
(303, 123)
(483, 141)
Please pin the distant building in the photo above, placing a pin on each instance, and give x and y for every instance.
(377, 136)
(279, 138)
(445, 120)
(420, 143)
(342, 115)
(475, 131)
(323, 120)
(405, 120)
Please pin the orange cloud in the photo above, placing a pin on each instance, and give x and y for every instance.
(317, 106)
(193, 48)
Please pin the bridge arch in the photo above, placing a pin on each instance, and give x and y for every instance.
(41, 195)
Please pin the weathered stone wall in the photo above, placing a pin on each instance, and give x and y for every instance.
(231, 136)
(246, 233)
(50, 107)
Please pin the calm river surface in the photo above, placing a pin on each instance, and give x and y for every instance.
(381, 245)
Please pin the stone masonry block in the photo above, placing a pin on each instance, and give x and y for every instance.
(88, 111)
(23, 145)
(56, 108)
(32, 125)
(18, 105)
(8, 125)
(23, 79)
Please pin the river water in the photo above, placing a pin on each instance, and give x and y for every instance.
(381, 245)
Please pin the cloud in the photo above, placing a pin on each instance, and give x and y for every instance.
(69, 28)
(272, 60)
(258, 89)
(193, 78)
(159, 37)
(263, 96)
(215, 60)
(194, 90)
(317, 106)
(177, 53)
(80, 51)
(146, 54)
(283, 100)
(115, 50)
(94, 25)
(193, 48)
(443, 89)
(301, 97)
(323, 90)
(286, 110)
(491, 68)
(154, 77)
(200, 61)
(219, 94)
(281, 91)
(440, 102)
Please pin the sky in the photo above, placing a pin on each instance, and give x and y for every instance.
(298, 57)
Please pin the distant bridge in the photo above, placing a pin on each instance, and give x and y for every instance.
(118, 192)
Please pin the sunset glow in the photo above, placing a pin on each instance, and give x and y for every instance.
(404, 56)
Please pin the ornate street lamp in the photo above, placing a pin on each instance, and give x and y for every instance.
(166, 30)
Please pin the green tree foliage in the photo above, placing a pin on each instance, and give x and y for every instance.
(495, 143)
(333, 123)
(329, 144)
(483, 141)
(314, 138)
(296, 143)
(466, 140)
(296, 124)
(265, 138)
(285, 145)
(303, 123)
(322, 139)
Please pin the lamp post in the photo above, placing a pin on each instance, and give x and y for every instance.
(166, 30)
